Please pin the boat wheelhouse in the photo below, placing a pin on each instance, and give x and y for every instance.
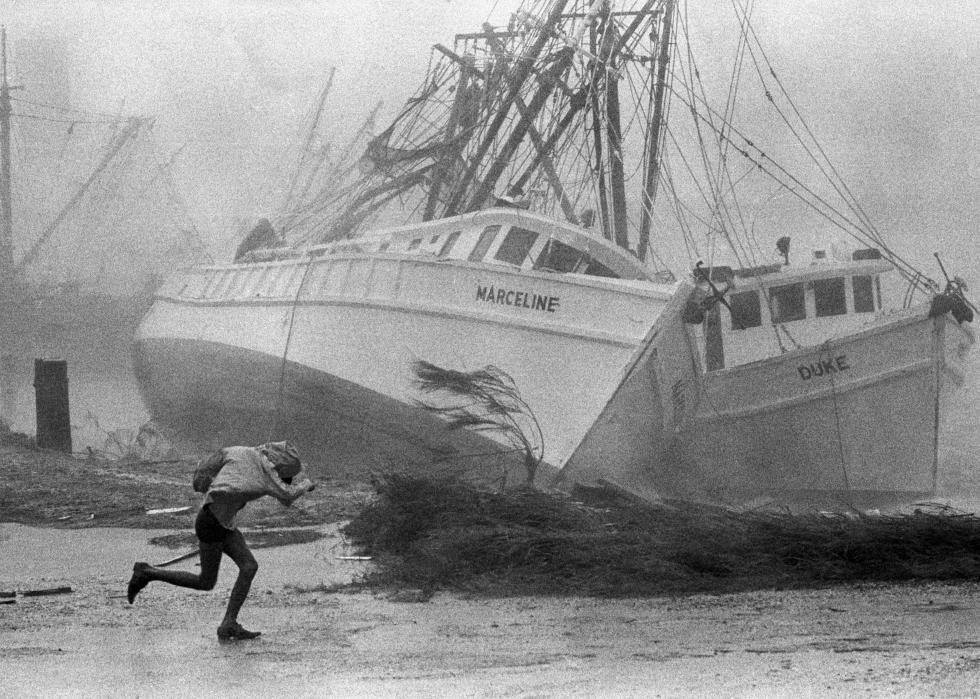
(772, 309)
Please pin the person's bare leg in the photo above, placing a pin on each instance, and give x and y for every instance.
(144, 573)
(238, 551)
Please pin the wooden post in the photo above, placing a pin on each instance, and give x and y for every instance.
(51, 391)
(8, 388)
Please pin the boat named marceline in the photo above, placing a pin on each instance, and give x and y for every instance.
(528, 236)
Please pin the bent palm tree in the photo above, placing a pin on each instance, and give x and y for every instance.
(484, 400)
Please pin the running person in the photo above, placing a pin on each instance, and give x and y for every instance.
(248, 473)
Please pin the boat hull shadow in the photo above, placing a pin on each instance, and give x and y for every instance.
(211, 394)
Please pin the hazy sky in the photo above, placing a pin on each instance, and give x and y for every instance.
(890, 86)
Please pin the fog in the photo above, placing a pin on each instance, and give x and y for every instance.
(887, 87)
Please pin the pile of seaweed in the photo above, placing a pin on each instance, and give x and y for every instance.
(448, 535)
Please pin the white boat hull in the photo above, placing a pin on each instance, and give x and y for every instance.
(856, 422)
(331, 366)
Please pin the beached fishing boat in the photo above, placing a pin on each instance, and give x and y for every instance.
(802, 390)
(508, 217)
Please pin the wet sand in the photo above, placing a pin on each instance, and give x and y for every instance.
(921, 640)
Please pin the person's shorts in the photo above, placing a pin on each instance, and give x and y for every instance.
(209, 529)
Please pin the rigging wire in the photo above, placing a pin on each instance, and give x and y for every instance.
(693, 78)
(850, 197)
(815, 202)
(107, 118)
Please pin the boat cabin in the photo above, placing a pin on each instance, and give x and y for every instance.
(509, 238)
(775, 309)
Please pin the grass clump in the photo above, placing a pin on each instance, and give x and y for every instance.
(445, 534)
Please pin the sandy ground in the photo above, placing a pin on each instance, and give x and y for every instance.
(864, 641)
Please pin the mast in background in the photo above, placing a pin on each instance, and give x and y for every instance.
(8, 389)
(6, 214)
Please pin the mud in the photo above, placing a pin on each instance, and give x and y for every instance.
(858, 641)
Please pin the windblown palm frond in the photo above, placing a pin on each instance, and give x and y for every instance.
(484, 400)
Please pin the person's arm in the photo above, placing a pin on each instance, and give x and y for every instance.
(284, 492)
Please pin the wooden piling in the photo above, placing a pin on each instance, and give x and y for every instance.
(51, 391)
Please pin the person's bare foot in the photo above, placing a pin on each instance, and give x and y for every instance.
(139, 580)
(236, 632)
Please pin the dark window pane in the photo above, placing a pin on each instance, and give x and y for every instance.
(597, 269)
(787, 303)
(448, 244)
(746, 310)
(383, 246)
(864, 301)
(433, 240)
(829, 297)
(558, 257)
(516, 246)
(484, 243)
(415, 243)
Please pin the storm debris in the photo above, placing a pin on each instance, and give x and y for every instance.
(439, 534)
(63, 590)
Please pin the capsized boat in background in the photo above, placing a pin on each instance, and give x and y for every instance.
(508, 216)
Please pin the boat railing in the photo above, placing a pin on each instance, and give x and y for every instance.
(500, 294)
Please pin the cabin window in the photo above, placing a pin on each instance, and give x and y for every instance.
(597, 269)
(516, 246)
(864, 301)
(788, 303)
(415, 244)
(746, 310)
(434, 240)
(448, 243)
(484, 243)
(558, 257)
(383, 246)
(829, 297)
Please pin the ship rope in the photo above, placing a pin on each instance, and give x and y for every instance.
(865, 229)
(837, 181)
(281, 391)
(837, 420)
(805, 194)
(692, 81)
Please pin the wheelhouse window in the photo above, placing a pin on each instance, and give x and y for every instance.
(434, 240)
(864, 300)
(447, 245)
(788, 303)
(383, 246)
(597, 269)
(516, 246)
(484, 243)
(559, 257)
(415, 244)
(746, 310)
(829, 297)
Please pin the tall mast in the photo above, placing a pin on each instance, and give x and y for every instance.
(656, 122)
(308, 142)
(599, 167)
(517, 80)
(128, 132)
(614, 137)
(6, 215)
(442, 170)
